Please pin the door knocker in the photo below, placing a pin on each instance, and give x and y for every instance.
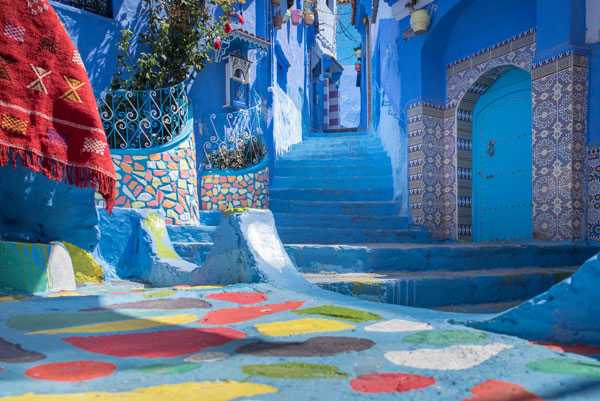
(490, 149)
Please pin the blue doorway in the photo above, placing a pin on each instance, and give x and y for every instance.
(502, 179)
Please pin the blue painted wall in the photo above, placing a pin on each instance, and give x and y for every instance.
(349, 94)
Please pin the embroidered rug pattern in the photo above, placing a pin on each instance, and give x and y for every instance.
(48, 114)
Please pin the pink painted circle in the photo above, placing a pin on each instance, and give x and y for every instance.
(390, 383)
(75, 371)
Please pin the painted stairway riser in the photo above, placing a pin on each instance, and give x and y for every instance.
(313, 258)
(320, 148)
(372, 208)
(192, 233)
(342, 153)
(331, 195)
(432, 292)
(341, 221)
(384, 181)
(334, 171)
(337, 134)
(316, 235)
(335, 162)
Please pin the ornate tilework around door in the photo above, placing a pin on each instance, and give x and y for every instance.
(559, 218)
(559, 96)
(593, 191)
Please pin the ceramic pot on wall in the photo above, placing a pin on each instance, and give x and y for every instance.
(309, 18)
(357, 67)
(277, 21)
(275, 3)
(296, 17)
(419, 21)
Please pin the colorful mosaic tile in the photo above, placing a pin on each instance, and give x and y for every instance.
(222, 191)
(593, 192)
(166, 180)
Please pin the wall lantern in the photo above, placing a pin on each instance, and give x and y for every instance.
(358, 52)
(237, 80)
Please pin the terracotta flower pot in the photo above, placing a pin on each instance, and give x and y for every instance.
(296, 17)
(419, 21)
(275, 3)
(357, 67)
(277, 21)
(309, 18)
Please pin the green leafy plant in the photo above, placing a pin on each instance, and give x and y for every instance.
(179, 35)
(245, 155)
(309, 6)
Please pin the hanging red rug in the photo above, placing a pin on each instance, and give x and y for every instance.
(48, 114)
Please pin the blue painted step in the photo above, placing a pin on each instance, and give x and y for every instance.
(330, 195)
(432, 257)
(345, 153)
(341, 221)
(445, 288)
(192, 233)
(372, 208)
(319, 235)
(338, 161)
(380, 181)
(336, 134)
(334, 171)
(194, 252)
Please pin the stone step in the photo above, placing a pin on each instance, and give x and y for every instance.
(433, 257)
(340, 153)
(337, 134)
(365, 170)
(210, 217)
(382, 181)
(340, 221)
(328, 236)
(332, 162)
(332, 195)
(372, 208)
(434, 289)
(194, 252)
(337, 148)
(192, 233)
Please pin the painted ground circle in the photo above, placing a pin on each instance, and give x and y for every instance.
(75, 371)
(390, 383)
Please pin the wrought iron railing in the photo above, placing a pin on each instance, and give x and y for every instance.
(233, 140)
(143, 119)
(102, 7)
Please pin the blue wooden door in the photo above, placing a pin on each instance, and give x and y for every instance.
(502, 194)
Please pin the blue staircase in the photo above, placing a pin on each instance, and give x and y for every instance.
(338, 190)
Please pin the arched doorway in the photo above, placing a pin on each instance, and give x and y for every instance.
(502, 160)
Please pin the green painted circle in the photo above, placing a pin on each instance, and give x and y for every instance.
(438, 338)
(565, 366)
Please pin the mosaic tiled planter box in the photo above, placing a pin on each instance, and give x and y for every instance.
(223, 189)
(160, 177)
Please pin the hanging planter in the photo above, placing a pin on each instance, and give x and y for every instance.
(296, 17)
(277, 21)
(357, 67)
(309, 18)
(419, 21)
(287, 16)
(275, 3)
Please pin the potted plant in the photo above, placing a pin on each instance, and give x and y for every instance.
(275, 3)
(419, 19)
(287, 16)
(357, 67)
(309, 15)
(277, 20)
(296, 17)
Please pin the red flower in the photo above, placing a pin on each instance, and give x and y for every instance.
(227, 27)
(241, 18)
(217, 44)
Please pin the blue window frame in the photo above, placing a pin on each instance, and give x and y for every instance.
(101, 7)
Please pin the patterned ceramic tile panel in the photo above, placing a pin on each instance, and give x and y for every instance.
(593, 191)
(166, 180)
(220, 192)
(559, 97)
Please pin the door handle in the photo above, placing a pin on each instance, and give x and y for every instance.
(490, 150)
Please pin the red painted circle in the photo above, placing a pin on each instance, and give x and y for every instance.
(75, 371)
(158, 344)
(495, 390)
(244, 313)
(243, 298)
(390, 383)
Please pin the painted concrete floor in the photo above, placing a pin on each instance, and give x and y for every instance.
(123, 341)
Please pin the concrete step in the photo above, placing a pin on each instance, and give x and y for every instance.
(319, 235)
(194, 252)
(372, 208)
(382, 181)
(365, 170)
(337, 134)
(340, 221)
(434, 257)
(334, 148)
(333, 162)
(434, 289)
(332, 195)
(340, 153)
(192, 233)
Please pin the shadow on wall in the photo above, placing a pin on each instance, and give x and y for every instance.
(40, 210)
